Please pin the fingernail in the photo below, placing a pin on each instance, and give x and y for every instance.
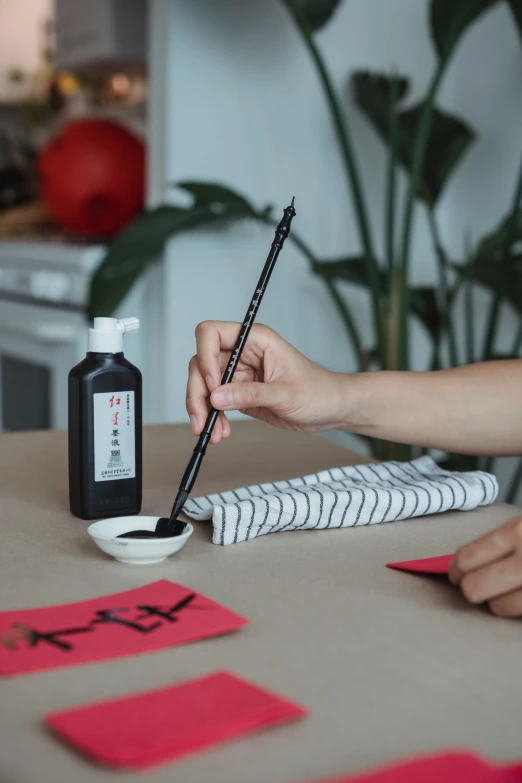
(211, 384)
(223, 399)
(193, 423)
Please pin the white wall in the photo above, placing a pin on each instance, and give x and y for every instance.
(244, 108)
(486, 90)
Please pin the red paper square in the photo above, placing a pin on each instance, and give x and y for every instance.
(147, 729)
(445, 767)
(159, 615)
(427, 565)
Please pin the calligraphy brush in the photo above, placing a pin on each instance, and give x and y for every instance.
(173, 526)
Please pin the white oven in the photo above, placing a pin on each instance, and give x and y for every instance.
(43, 331)
(43, 290)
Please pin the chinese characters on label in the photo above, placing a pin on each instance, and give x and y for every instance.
(114, 444)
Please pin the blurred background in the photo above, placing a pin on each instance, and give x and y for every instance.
(146, 148)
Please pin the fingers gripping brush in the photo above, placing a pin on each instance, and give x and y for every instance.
(173, 526)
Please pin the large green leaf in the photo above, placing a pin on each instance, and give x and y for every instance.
(449, 136)
(449, 19)
(376, 92)
(503, 276)
(516, 9)
(424, 302)
(217, 198)
(448, 141)
(498, 356)
(459, 462)
(494, 244)
(352, 269)
(497, 262)
(311, 15)
(498, 266)
(140, 243)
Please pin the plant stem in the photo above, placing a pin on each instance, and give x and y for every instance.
(488, 464)
(493, 317)
(393, 320)
(419, 150)
(469, 318)
(517, 343)
(514, 484)
(417, 165)
(442, 264)
(469, 307)
(349, 323)
(393, 137)
(301, 244)
(491, 328)
(354, 184)
(435, 359)
(390, 315)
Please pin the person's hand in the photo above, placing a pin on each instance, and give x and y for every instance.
(273, 382)
(489, 570)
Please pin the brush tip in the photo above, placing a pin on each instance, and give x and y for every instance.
(177, 508)
(293, 201)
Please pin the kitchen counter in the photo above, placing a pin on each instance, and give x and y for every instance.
(388, 663)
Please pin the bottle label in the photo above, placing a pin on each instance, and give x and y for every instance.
(114, 437)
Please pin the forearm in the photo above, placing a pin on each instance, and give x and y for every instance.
(474, 410)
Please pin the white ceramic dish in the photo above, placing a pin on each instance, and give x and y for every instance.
(135, 551)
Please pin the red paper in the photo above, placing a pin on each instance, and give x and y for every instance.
(147, 729)
(428, 565)
(162, 614)
(448, 767)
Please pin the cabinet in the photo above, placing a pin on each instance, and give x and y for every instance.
(100, 34)
(22, 36)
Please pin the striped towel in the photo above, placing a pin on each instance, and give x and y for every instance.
(342, 497)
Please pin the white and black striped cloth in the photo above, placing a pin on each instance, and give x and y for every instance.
(342, 497)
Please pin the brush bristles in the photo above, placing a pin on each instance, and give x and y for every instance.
(177, 508)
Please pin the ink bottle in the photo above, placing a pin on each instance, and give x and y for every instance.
(105, 426)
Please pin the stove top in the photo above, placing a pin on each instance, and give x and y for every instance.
(52, 272)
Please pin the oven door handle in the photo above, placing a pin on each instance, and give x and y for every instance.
(46, 332)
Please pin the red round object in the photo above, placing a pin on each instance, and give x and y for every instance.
(92, 177)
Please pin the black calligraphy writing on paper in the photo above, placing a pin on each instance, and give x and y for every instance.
(20, 635)
(170, 615)
(32, 637)
(110, 616)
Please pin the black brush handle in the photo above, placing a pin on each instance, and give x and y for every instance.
(282, 231)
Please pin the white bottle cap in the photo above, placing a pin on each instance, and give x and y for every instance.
(107, 335)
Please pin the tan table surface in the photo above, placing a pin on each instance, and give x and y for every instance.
(388, 663)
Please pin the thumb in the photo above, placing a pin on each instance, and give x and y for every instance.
(242, 396)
